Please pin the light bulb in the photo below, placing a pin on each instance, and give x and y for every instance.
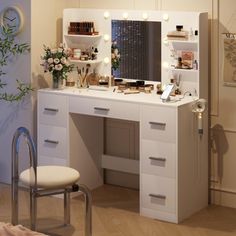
(106, 37)
(125, 15)
(165, 17)
(165, 65)
(106, 60)
(166, 41)
(145, 16)
(106, 15)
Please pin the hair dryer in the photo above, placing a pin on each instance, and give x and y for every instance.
(199, 107)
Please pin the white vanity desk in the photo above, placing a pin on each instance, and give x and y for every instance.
(173, 157)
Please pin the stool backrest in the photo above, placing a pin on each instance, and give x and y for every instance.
(22, 131)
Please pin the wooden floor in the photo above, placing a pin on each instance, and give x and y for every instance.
(115, 213)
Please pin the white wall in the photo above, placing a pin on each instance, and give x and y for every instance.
(13, 115)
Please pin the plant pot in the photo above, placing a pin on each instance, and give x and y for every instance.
(57, 83)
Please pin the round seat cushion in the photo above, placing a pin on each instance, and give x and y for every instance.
(49, 177)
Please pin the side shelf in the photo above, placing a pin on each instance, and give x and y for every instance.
(184, 45)
(91, 62)
(72, 39)
(85, 43)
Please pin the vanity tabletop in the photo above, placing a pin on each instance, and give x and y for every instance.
(113, 94)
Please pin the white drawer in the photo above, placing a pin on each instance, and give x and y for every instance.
(158, 123)
(52, 109)
(158, 193)
(52, 141)
(158, 158)
(104, 108)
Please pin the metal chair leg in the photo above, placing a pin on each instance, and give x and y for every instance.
(88, 209)
(15, 180)
(67, 207)
(14, 201)
(33, 209)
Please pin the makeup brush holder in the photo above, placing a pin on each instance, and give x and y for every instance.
(82, 82)
(83, 73)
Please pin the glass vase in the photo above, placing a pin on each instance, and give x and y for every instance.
(57, 82)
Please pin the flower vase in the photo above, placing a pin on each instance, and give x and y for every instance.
(57, 82)
(112, 74)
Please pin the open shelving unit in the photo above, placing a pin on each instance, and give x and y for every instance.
(75, 39)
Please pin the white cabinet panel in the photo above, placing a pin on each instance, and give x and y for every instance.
(158, 193)
(52, 109)
(52, 141)
(158, 123)
(158, 158)
(104, 108)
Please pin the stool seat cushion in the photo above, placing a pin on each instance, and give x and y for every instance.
(50, 177)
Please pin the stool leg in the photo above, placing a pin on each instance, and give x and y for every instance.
(33, 209)
(14, 201)
(14, 183)
(66, 207)
(88, 209)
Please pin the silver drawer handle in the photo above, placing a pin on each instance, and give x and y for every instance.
(51, 141)
(159, 196)
(157, 123)
(157, 158)
(101, 109)
(50, 109)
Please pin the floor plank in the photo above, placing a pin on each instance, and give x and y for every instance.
(116, 213)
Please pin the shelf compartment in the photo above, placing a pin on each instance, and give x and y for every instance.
(91, 62)
(82, 39)
(184, 70)
(184, 45)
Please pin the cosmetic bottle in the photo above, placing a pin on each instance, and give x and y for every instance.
(191, 36)
(195, 65)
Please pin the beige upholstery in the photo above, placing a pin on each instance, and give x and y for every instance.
(50, 177)
(7, 229)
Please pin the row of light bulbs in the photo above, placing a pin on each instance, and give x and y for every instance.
(125, 15)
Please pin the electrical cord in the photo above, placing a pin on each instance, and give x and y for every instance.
(185, 94)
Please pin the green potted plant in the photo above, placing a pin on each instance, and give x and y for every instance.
(9, 48)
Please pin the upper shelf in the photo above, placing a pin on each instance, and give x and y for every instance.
(82, 39)
(184, 45)
(184, 70)
(91, 62)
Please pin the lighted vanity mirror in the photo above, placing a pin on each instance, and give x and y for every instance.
(136, 47)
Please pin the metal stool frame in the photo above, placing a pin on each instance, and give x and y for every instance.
(35, 192)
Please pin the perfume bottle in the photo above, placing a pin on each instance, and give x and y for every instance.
(191, 35)
(195, 65)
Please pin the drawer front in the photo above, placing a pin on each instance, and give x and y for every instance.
(158, 193)
(158, 158)
(52, 141)
(104, 108)
(158, 123)
(52, 109)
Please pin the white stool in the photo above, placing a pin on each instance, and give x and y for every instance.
(44, 181)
